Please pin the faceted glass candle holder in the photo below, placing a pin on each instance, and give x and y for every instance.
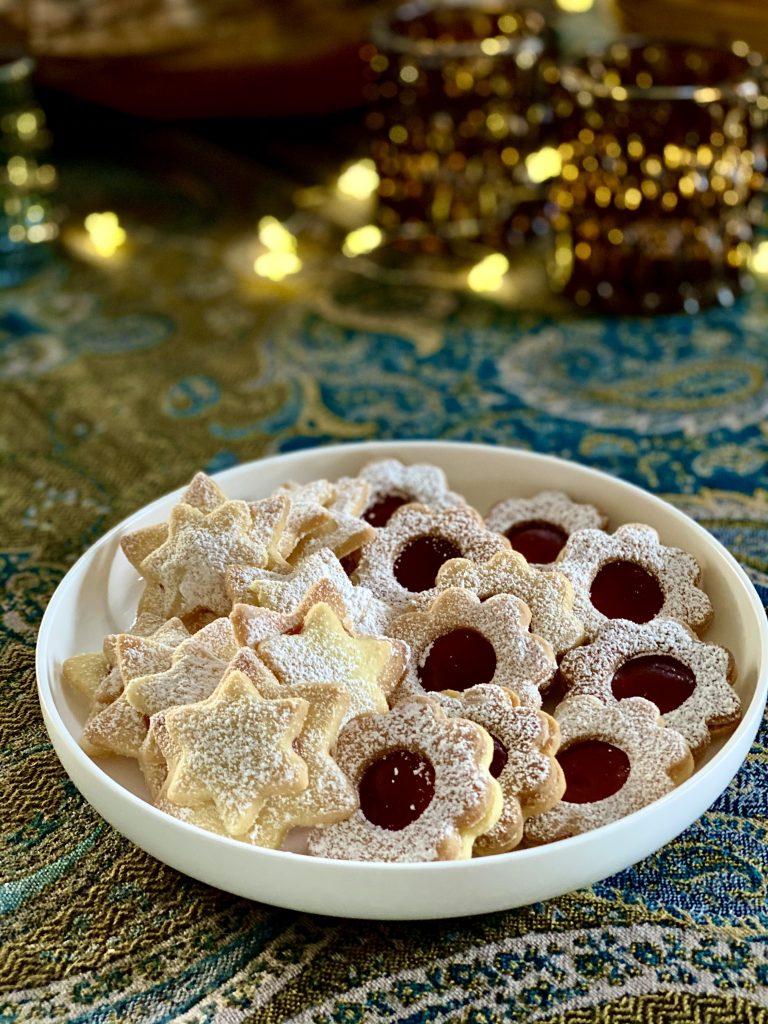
(653, 198)
(458, 96)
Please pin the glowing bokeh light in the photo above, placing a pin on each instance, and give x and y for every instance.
(488, 274)
(362, 240)
(544, 163)
(105, 233)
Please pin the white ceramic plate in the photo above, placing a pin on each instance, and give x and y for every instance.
(98, 596)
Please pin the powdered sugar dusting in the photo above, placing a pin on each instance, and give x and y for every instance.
(464, 793)
(713, 704)
(659, 760)
(677, 573)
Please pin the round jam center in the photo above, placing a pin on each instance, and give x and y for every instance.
(593, 771)
(537, 541)
(624, 590)
(417, 565)
(397, 789)
(380, 513)
(499, 759)
(458, 660)
(657, 677)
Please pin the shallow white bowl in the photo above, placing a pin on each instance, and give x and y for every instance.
(99, 594)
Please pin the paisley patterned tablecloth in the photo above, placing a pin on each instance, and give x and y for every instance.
(119, 378)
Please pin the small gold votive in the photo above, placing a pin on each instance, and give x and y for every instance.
(459, 95)
(652, 201)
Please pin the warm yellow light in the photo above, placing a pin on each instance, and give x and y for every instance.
(543, 164)
(759, 260)
(575, 6)
(276, 236)
(359, 180)
(105, 233)
(492, 46)
(26, 124)
(276, 265)
(488, 274)
(362, 240)
(18, 172)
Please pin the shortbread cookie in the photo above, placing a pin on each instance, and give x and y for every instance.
(458, 642)
(662, 660)
(549, 595)
(286, 592)
(538, 527)
(401, 563)
(196, 668)
(328, 797)
(524, 744)
(616, 759)
(393, 484)
(235, 750)
(114, 726)
(188, 571)
(424, 785)
(307, 513)
(324, 651)
(631, 575)
(345, 531)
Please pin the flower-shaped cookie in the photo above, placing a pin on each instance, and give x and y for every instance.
(616, 759)
(663, 661)
(459, 642)
(235, 750)
(401, 563)
(424, 784)
(549, 595)
(392, 484)
(631, 575)
(538, 527)
(324, 651)
(524, 744)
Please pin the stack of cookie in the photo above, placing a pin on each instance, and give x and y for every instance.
(367, 669)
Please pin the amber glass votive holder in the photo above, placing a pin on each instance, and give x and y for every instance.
(458, 96)
(653, 198)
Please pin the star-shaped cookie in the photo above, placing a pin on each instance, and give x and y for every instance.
(324, 651)
(234, 749)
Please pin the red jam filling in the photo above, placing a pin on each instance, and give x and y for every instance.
(624, 590)
(396, 789)
(657, 677)
(593, 771)
(417, 565)
(458, 660)
(537, 541)
(499, 759)
(379, 514)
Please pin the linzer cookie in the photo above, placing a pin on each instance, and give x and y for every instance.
(524, 744)
(234, 750)
(549, 595)
(538, 527)
(663, 661)
(617, 758)
(401, 563)
(424, 786)
(631, 575)
(458, 642)
(392, 484)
